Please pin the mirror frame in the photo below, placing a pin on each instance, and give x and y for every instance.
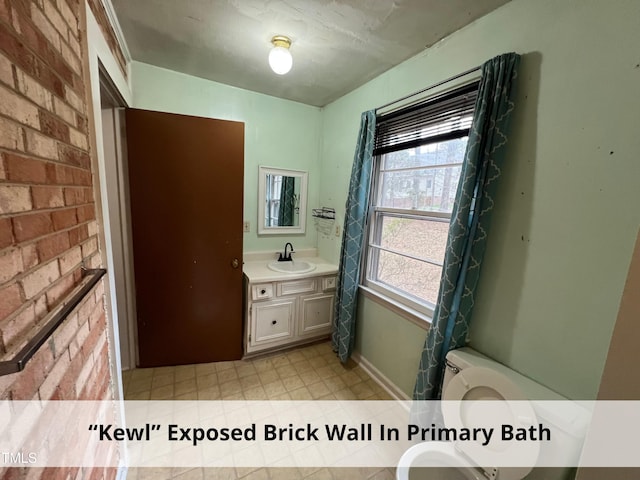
(262, 189)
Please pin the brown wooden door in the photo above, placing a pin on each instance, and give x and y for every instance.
(186, 191)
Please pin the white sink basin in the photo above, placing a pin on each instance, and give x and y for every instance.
(295, 266)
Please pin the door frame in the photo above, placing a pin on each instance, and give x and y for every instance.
(118, 218)
(100, 58)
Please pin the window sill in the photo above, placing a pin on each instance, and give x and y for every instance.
(415, 317)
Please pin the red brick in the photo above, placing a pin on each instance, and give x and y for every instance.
(15, 329)
(18, 108)
(73, 156)
(56, 473)
(81, 335)
(74, 5)
(64, 218)
(86, 308)
(23, 169)
(78, 235)
(14, 199)
(5, 12)
(76, 82)
(111, 474)
(81, 177)
(10, 300)
(41, 307)
(38, 280)
(58, 292)
(38, 34)
(13, 473)
(55, 17)
(82, 123)
(18, 52)
(53, 126)
(67, 14)
(26, 387)
(52, 246)
(74, 196)
(41, 145)
(86, 213)
(66, 390)
(47, 197)
(95, 334)
(41, 44)
(29, 256)
(11, 135)
(90, 247)
(6, 232)
(26, 227)
(59, 174)
(10, 264)
(54, 377)
(48, 79)
(70, 260)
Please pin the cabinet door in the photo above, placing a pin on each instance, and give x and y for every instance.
(316, 315)
(272, 321)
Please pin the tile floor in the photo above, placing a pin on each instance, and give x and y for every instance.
(306, 373)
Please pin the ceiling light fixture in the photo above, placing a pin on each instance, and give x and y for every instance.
(280, 59)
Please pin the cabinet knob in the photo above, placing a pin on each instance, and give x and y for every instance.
(273, 322)
(263, 291)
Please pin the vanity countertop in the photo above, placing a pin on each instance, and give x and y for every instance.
(258, 271)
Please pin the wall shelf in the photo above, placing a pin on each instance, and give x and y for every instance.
(324, 212)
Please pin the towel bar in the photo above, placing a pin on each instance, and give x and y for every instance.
(17, 363)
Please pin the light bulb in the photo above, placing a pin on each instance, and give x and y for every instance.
(280, 60)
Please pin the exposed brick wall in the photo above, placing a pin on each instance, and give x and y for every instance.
(109, 34)
(48, 225)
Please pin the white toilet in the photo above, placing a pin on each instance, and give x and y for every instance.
(470, 375)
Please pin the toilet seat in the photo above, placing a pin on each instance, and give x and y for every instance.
(437, 454)
(480, 383)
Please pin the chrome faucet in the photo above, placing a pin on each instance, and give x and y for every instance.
(286, 257)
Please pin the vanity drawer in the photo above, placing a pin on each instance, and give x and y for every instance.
(272, 321)
(328, 283)
(295, 287)
(262, 291)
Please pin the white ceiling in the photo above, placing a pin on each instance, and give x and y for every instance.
(336, 45)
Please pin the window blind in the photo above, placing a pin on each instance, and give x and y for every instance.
(440, 118)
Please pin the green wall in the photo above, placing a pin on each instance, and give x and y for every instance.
(567, 211)
(278, 133)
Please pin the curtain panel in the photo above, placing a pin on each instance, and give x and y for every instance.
(470, 220)
(287, 208)
(353, 235)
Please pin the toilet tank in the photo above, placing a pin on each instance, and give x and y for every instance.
(571, 420)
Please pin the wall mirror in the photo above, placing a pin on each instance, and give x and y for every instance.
(282, 201)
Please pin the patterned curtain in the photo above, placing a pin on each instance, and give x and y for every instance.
(470, 221)
(344, 322)
(287, 202)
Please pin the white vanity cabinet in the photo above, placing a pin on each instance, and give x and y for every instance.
(288, 312)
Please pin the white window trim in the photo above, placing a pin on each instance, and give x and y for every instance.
(418, 312)
(422, 316)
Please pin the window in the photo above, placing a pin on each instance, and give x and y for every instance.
(418, 158)
(274, 187)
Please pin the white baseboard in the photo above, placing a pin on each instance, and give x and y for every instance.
(390, 387)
